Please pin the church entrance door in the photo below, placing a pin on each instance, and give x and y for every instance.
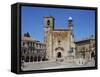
(59, 54)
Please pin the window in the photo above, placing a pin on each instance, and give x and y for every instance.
(23, 43)
(48, 22)
(24, 51)
(59, 42)
(32, 44)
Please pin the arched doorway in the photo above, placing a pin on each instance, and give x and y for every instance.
(35, 58)
(31, 59)
(59, 55)
(27, 59)
(59, 51)
(22, 58)
(39, 58)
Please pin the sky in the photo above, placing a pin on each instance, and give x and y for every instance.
(32, 21)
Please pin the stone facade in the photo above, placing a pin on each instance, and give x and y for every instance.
(59, 47)
(32, 50)
(59, 42)
(86, 48)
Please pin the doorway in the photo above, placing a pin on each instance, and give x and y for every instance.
(59, 55)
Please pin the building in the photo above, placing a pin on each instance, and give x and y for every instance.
(60, 43)
(32, 50)
(59, 46)
(85, 48)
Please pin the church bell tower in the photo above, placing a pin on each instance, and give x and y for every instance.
(48, 28)
(49, 22)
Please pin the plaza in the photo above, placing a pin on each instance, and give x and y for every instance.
(55, 65)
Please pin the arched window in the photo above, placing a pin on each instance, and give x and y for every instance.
(48, 22)
(59, 42)
(24, 51)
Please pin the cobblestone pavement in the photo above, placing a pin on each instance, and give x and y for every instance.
(53, 65)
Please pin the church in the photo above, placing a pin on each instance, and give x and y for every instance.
(60, 43)
(59, 48)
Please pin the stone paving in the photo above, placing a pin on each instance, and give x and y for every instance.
(54, 65)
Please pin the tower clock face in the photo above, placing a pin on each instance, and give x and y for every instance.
(48, 22)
